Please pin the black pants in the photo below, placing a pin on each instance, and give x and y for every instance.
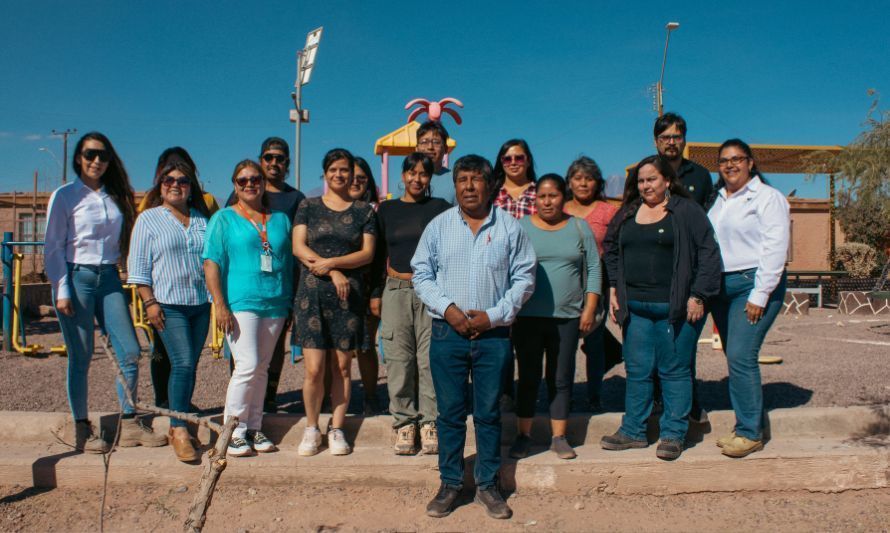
(557, 339)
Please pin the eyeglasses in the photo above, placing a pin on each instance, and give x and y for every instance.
(169, 181)
(510, 159)
(278, 158)
(736, 160)
(430, 142)
(666, 138)
(242, 181)
(90, 155)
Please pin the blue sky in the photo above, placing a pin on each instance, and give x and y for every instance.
(570, 77)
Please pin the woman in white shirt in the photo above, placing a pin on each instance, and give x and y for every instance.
(752, 222)
(87, 233)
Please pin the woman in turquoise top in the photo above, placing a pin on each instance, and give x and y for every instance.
(567, 289)
(249, 269)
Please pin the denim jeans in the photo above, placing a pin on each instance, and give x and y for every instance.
(453, 360)
(96, 295)
(185, 330)
(741, 343)
(652, 343)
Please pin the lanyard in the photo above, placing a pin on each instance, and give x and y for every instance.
(260, 229)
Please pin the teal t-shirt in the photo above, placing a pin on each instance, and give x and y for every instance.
(558, 291)
(234, 244)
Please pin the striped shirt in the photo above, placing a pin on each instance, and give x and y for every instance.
(492, 271)
(166, 256)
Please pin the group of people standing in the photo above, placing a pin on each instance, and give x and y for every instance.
(519, 270)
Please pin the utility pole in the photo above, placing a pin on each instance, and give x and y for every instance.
(64, 135)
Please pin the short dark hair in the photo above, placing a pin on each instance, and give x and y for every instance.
(632, 191)
(475, 163)
(371, 192)
(667, 120)
(558, 181)
(337, 154)
(432, 125)
(588, 166)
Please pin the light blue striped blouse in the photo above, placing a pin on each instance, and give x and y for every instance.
(166, 256)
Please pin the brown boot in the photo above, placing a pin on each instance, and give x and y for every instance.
(429, 439)
(135, 433)
(182, 446)
(406, 440)
(87, 440)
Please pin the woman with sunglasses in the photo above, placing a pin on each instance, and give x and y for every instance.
(333, 239)
(160, 361)
(562, 308)
(364, 189)
(753, 223)
(249, 270)
(663, 264)
(587, 201)
(87, 233)
(406, 325)
(166, 266)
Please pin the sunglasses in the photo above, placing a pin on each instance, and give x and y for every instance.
(510, 159)
(242, 181)
(278, 158)
(169, 181)
(90, 155)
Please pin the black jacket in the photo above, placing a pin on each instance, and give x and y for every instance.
(697, 264)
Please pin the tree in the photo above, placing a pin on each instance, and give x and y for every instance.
(863, 172)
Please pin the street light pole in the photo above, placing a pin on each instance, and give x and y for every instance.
(659, 87)
(298, 105)
(64, 135)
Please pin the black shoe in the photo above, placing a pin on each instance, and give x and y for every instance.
(521, 446)
(620, 441)
(493, 502)
(669, 449)
(443, 503)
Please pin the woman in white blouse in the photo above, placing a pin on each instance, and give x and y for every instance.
(752, 222)
(87, 233)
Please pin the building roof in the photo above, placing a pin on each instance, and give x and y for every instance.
(771, 158)
(403, 141)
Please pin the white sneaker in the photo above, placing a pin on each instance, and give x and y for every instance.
(337, 442)
(311, 442)
(239, 447)
(261, 443)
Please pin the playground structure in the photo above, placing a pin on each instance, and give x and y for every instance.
(403, 141)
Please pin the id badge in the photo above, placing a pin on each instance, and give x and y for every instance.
(266, 263)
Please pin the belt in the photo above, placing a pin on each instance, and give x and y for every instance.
(399, 283)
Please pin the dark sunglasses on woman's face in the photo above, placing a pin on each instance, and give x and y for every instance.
(91, 155)
(242, 181)
(278, 158)
(510, 159)
(169, 181)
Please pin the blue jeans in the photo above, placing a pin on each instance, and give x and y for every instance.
(453, 359)
(97, 295)
(741, 343)
(652, 343)
(185, 330)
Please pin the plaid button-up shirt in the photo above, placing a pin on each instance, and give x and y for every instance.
(520, 207)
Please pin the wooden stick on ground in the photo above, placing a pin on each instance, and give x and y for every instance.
(216, 457)
(216, 463)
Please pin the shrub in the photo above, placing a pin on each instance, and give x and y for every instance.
(860, 260)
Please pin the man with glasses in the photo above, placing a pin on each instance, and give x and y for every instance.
(670, 141)
(432, 140)
(275, 162)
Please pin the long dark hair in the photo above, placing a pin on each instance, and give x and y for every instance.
(169, 153)
(419, 157)
(116, 183)
(196, 198)
(372, 194)
(500, 176)
(632, 190)
(588, 166)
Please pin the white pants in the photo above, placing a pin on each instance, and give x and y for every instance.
(252, 343)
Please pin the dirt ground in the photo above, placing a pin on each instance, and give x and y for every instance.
(829, 360)
(337, 508)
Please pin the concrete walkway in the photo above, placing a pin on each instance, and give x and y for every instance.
(818, 449)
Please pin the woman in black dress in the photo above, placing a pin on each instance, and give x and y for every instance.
(333, 238)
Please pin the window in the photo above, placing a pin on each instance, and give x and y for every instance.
(28, 231)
